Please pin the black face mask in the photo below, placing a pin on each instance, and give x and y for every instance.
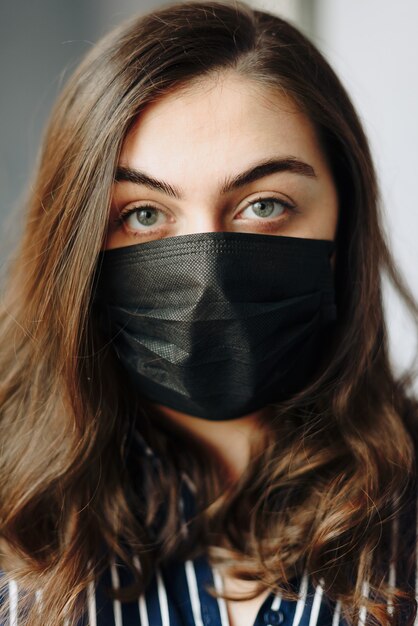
(218, 324)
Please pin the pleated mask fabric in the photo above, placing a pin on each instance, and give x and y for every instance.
(218, 324)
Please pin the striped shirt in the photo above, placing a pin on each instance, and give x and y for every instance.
(177, 594)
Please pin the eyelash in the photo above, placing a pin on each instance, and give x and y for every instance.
(124, 215)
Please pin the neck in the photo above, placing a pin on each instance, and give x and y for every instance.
(229, 440)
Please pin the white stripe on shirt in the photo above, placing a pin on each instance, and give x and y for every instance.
(275, 605)
(392, 564)
(193, 592)
(337, 613)
(91, 603)
(300, 605)
(38, 599)
(13, 602)
(363, 610)
(316, 605)
(223, 611)
(183, 526)
(142, 605)
(162, 597)
(143, 611)
(117, 609)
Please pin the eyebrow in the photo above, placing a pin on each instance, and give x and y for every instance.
(271, 166)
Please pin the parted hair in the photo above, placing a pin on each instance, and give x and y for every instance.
(338, 459)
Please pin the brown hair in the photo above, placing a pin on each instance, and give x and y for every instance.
(341, 453)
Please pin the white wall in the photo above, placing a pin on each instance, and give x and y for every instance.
(290, 9)
(373, 46)
(299, 12)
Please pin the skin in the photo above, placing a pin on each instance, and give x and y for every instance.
(194, 140)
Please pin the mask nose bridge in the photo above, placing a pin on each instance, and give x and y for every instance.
(209, 284)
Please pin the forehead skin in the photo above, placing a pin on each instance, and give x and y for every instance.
(215, 128)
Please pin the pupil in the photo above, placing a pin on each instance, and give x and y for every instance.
(146, 217)
(263, 209)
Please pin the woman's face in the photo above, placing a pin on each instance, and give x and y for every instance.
(226, 155)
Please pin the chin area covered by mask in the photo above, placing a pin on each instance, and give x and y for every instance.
(218, 324)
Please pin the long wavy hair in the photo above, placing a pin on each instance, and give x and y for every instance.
(337, 463)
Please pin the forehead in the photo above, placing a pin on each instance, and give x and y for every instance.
(225, 120)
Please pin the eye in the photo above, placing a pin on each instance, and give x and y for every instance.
(267, 208)
(141, 218)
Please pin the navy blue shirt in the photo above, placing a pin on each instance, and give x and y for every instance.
(177, 594)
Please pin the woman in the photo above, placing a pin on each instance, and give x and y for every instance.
(200, 424)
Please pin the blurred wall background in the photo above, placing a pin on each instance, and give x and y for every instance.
(371, 43)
